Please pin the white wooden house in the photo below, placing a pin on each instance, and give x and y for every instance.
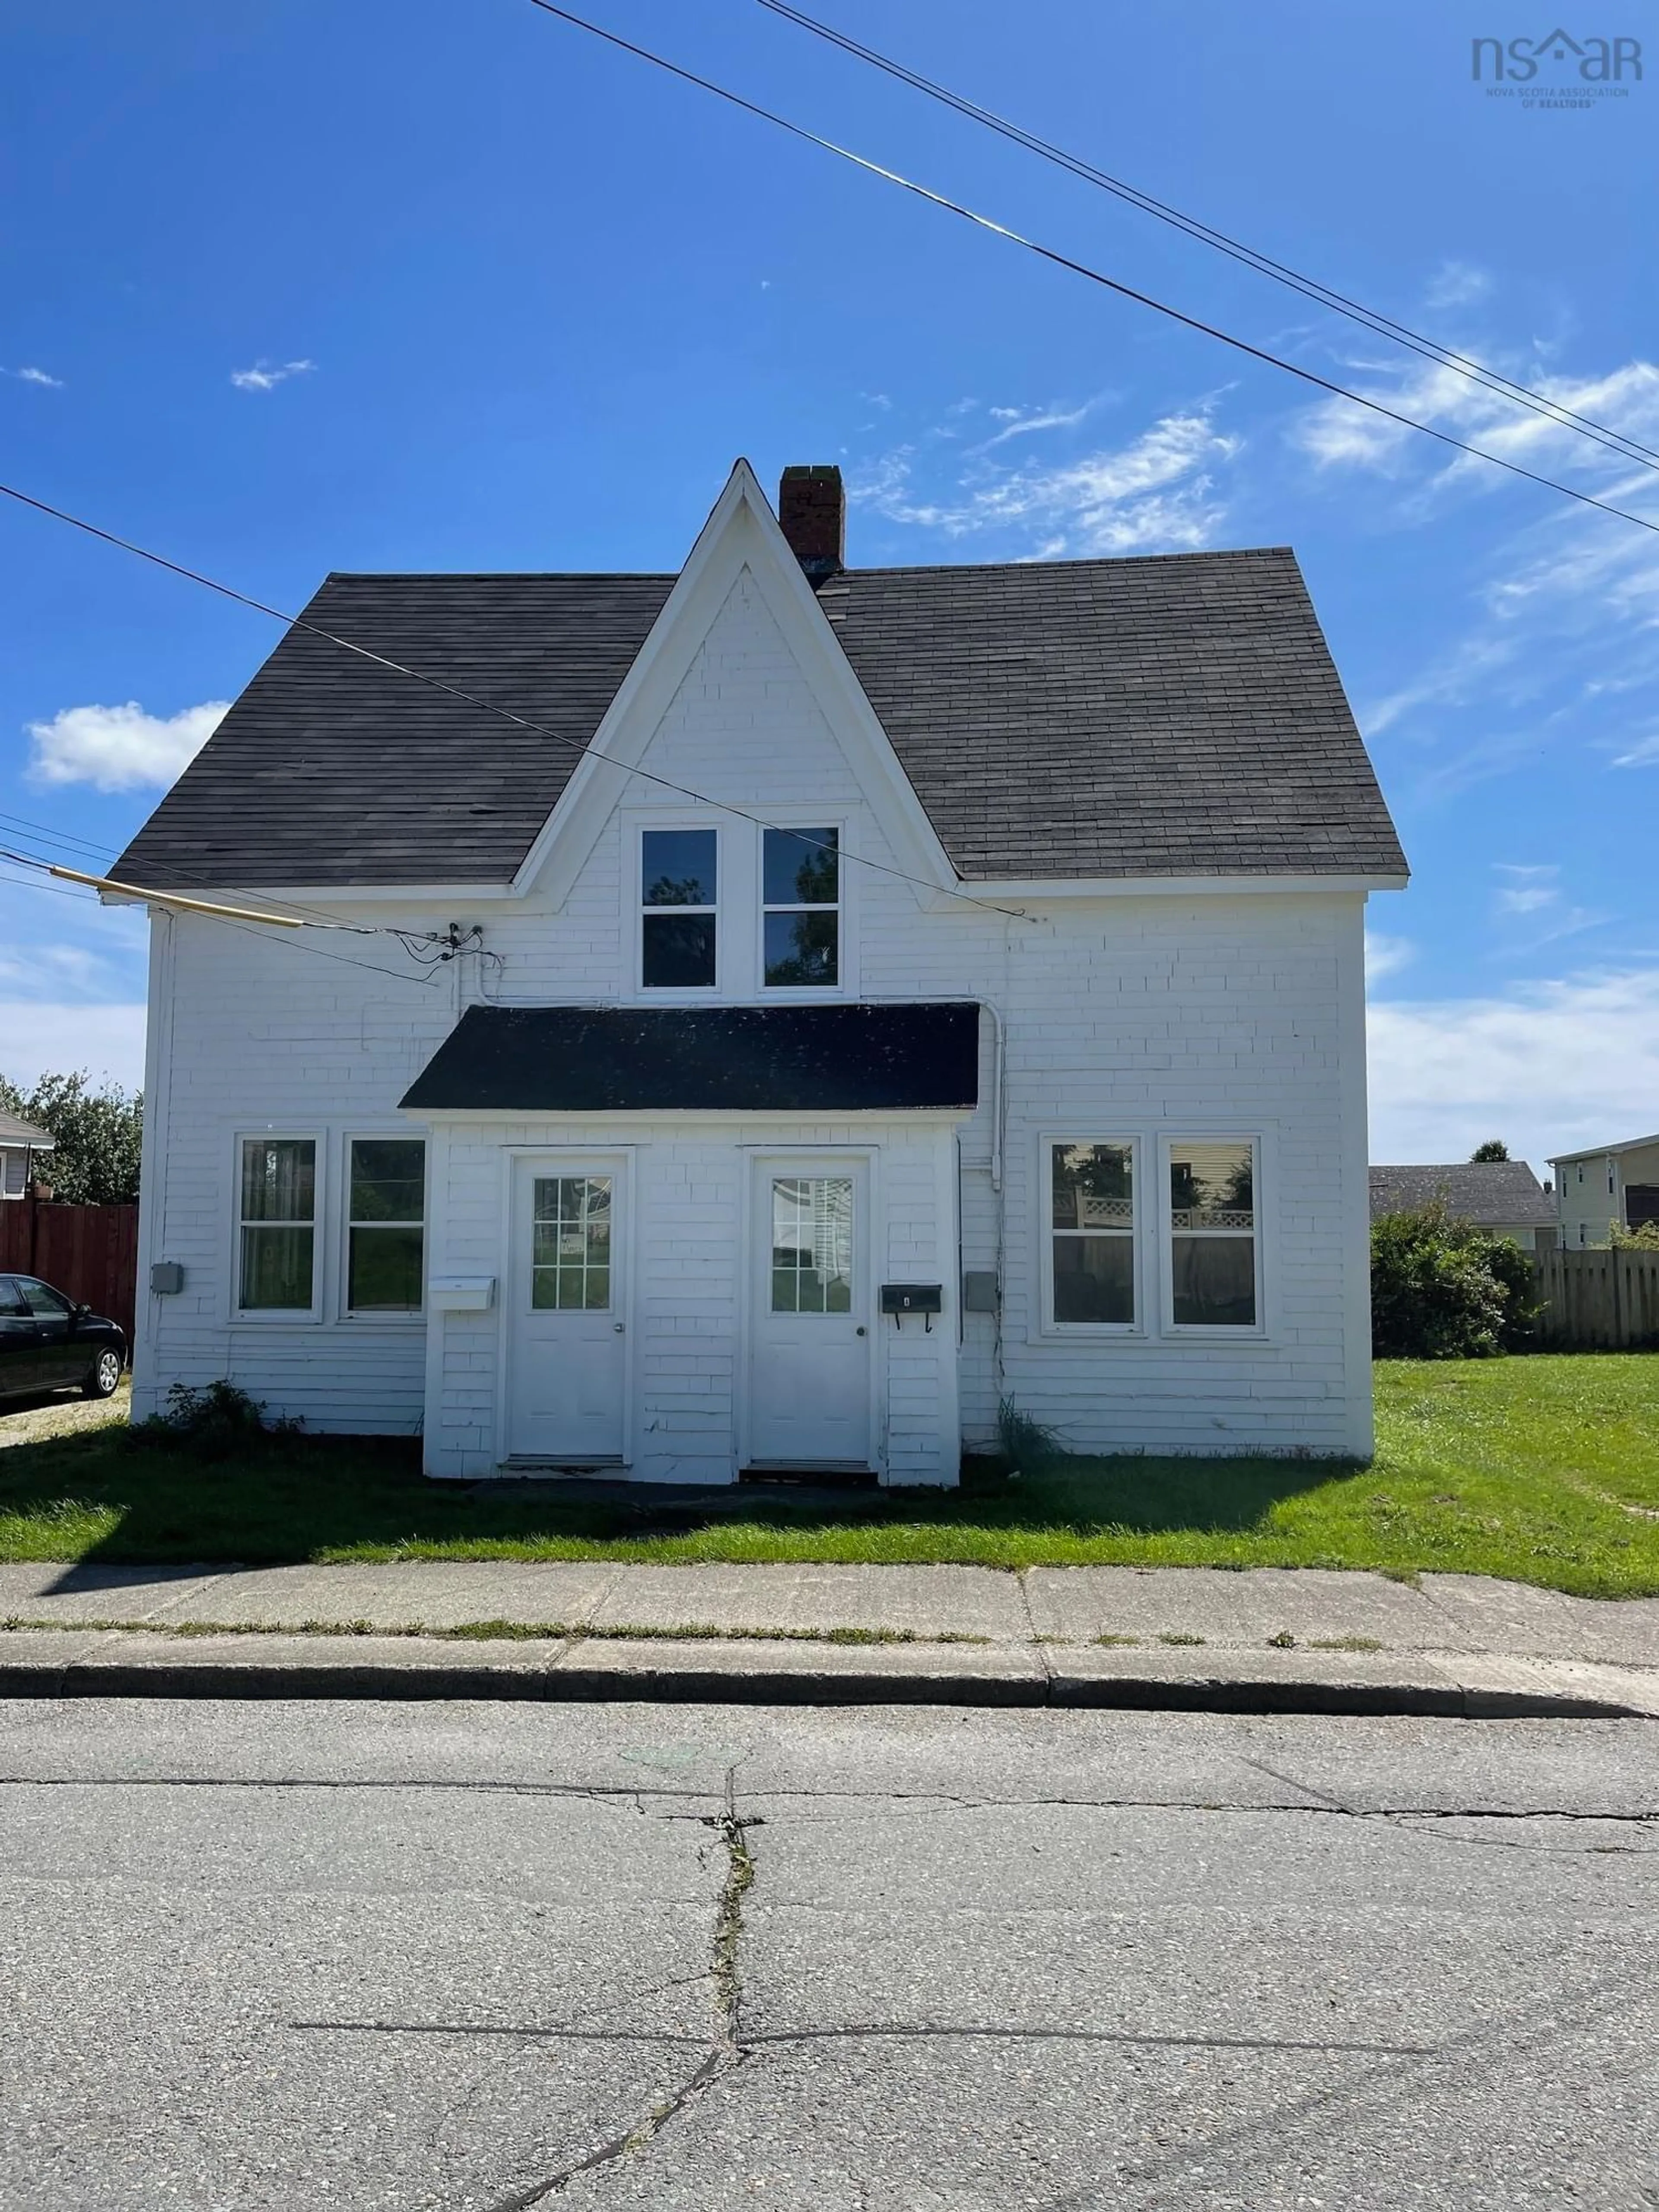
(832, 1001)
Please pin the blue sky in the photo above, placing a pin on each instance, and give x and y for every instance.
(290, 287)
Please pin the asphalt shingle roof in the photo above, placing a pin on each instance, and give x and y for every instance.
(15, 1132)
(1492, 1193)
(1173, 715)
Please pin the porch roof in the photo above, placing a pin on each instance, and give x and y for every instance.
(685, 1059)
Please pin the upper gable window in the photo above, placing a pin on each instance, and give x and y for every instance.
(800, 903)
(678, 903)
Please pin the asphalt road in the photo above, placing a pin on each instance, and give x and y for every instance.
(469, 1958)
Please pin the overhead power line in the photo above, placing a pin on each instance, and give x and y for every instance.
(485, 706)
(43, 867)
(1082, 269)
(1310, 288)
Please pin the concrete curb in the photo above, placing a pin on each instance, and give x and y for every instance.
(114, 1665)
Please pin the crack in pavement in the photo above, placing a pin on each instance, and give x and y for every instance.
(632, 1797)
(1404, 1818)
(724, 2053)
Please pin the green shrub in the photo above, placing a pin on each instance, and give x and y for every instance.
(1441, 1290)
(213, 1423)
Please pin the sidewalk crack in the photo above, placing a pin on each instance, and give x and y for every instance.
(1035, 1640)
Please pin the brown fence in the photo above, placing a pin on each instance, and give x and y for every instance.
(91, 1253)
(1601, 1301)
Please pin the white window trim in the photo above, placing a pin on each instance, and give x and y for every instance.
(673, 819)
(1211, 1332)
(739, 927)
(241, 1316)
(384, 1316)
(846, 948)
(1090, 1331)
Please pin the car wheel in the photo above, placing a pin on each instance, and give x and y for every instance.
(106, 1377)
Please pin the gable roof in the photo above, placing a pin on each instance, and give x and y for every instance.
(1177, 716)
(15, 1132)
(1606, 1151)
(1492, 1193)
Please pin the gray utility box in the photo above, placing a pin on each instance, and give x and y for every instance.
(979, 1290)
(166, 1279)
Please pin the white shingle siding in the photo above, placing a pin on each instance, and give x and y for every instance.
(1232, 1014)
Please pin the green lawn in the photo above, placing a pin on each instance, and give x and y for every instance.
(1543, 1470)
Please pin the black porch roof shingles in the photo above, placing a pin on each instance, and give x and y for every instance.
(684, 1060)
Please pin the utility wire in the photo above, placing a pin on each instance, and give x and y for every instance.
(1082, 268)
(321, 952)
(12, 822)
(485, 706)
(57, 890)
(1326, 295)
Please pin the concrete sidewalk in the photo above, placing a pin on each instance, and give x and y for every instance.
(1264, 1639)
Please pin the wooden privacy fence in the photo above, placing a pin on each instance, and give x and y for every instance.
(1599, 1301)
(91, 1253)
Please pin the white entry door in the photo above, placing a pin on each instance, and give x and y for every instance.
(568, 1320)
(808, 1364)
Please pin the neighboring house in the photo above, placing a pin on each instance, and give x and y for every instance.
(21, 1146)
(1504, 1198)
(1607, 1183)
(961, 999)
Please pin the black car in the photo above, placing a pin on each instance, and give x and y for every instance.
(49, 1343)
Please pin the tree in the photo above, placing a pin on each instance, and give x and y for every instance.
(97, 1132)
(1493, 1149)
(1441, 1290)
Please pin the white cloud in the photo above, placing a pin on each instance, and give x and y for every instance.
(265, 375)
(1529, 892)
(1549, 1067)
(45, 1037)
(1455, 283)
(1386, 955)
(119, 748)
(1017, 424)
(37, 376)
(1337, 433)
(1157, 493)
(1645, 753)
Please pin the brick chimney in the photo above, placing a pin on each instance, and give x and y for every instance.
(812, 511)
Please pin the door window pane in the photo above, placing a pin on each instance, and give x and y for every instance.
(678, 896)
(813, 1244)
(1092, 1233)
(42, 1300)
(386, 1234)
(570, 1244)
(800, 893)
(277, 1273)
(1212, 1234)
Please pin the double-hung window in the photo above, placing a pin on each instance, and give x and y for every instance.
(1091, 1236)
(385, 1227)
(276, 1225)
(800, 907)
(679, 911)
(1213, 1245)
